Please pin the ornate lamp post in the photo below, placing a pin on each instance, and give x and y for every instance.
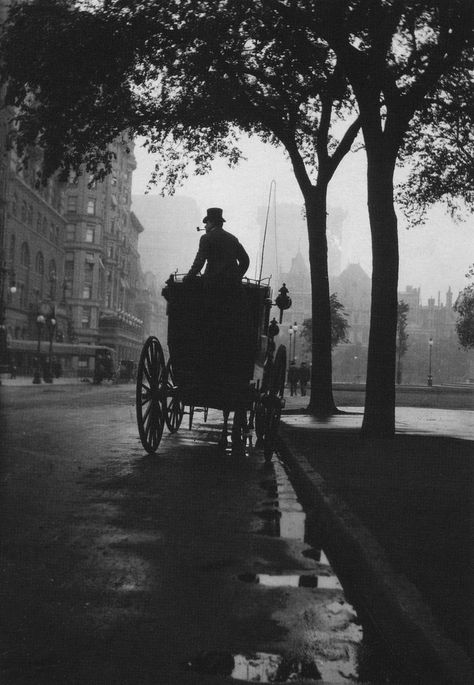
(40, 322)
(430, 377)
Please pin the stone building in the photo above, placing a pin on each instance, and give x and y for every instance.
(102, 265)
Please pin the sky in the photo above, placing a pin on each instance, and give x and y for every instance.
(432, 257)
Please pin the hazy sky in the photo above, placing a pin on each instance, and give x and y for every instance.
(432, 257)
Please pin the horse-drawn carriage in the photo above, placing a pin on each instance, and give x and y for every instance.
(222, 355)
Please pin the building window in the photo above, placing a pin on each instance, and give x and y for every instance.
(24, 211)
(86, 317)
(72, 203)
(91, 204)
(14, 204)
(39, 263)
(52, 232)
(25, 255)
(90, 234)
(44, 228)
(70, 232)
(86, 291)
(39, 220)
(30, 215)
(82, 362)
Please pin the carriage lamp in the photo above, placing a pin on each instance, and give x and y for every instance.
(283, 301)
(273, 328)
(40, 322)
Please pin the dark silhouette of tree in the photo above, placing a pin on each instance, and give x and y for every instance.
(339, 324)
(394, 55)
(402, 336)
(464, 307)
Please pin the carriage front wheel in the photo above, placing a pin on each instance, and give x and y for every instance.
(151, 394)
(174, 407)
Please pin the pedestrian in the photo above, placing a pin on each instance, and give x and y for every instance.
(12, 370)
(225, 258)
(304, 376)
(293, 378)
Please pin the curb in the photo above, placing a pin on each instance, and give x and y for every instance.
(392, 603)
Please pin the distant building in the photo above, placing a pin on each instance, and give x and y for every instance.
(287, 233)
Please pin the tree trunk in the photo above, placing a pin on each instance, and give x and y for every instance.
(321, 399)
(379, 415)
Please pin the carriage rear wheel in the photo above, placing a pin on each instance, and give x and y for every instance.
(174, 407)
(151, 394)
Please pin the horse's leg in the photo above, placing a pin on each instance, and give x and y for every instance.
(238, 426)
(225, 429)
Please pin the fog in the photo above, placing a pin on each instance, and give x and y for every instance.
(432, 257)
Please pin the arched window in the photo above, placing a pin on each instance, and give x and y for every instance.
(39, 263)
(24, 210)
(39, 220)
(14, 204)
(30, 215)
(45, 226)
(25, 255)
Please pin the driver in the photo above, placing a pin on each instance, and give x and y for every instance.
(227, 260)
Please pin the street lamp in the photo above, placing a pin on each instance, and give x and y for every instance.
(430, 377)
(51, 325)
(290, 333)
(294, 329)
(40, 321)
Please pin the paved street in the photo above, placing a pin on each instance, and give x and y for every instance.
(188, 567)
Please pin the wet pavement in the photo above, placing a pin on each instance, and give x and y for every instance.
(194, 566)
(456, 423)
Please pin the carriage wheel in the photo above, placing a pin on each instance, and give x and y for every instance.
(174, 407)
(151, 393)
(273, 403)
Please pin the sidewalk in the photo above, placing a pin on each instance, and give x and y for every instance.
(20, 381)
(399, 516)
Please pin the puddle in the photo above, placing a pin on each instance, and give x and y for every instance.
(292, 580)
(255, 667)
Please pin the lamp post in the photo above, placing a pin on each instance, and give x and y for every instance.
(5, 274)
(430, 377)
(51, 326)
(40, 321)
(295, 330)
(290, 333)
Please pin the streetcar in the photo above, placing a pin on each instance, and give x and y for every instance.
(222, 355)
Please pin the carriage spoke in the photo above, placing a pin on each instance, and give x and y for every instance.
(149, 400)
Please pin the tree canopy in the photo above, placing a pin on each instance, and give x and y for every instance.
(339, 323)
(464, 307)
